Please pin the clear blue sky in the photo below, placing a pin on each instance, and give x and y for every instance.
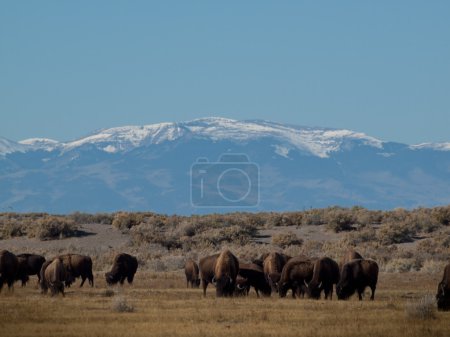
(380, 67)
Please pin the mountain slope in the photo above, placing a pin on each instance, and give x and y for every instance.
(149, 168)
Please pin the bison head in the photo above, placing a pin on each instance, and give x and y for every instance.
(224, 286)
(111, 278)
(241, 286)
(344, 290)
(283, 289)
(443, 297)
(273, 280)
(313, 289)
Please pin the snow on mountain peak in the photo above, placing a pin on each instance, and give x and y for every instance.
(316, 141)
(8, 146)
(432, 146)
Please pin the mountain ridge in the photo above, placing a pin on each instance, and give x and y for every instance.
(149, 168)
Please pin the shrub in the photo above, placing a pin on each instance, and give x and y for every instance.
(361, 236)
(284, 240)
(119, 304)
(53, 227)
(422, 309)
(313, 217)
(442, 215)
(108, 293)
(86, 218)
(402, 265)
(391, 233)
(339, 220)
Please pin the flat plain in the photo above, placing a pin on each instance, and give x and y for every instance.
(159, 304)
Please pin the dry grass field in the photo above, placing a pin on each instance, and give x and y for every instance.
(158, 304)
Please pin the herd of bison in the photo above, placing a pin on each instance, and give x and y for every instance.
(271, 273)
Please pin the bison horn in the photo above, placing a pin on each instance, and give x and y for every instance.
(213, 281)
(320, 284)
(231, 280)
(240, 287)
(306, 284)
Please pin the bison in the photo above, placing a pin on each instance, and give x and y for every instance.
(124, 267)
(192, 274)
(356, 276)
(80, 266)
(29, 264)
(54, 276)
(252, 275)
(273, 265)
(325, 274)
(67, 274)
(443, 292)
(226, 269)
(294, 274)
(9, 265)
(350, 255)
(206, 266)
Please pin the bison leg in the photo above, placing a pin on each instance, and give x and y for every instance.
(130, 278)
(83, 278)
(11, 285)
(91, 280)
(204, 286)
(372, 297)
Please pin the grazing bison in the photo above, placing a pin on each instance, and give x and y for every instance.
(350, 255)
(443, 292)
(29, 264)
(356, 276)
(54, 276)
(206, 266)
(226, 269)
(252, 275)
(325, 274)
(294, 274)
(68, 278)
(273, 265)
(80, 266)
(192, 274)
(124, 267)
(9, 265)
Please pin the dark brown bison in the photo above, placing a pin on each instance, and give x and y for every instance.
(192, 274)
(355, 277)
(206, 266)
(252, 275)
(225, 272)
(124, 267)
(349, 255)
(295, 273)
(29, 264)
(325, 275)
(54, 276)
(9, 265)
(443, 292)
(273, 265)
(79, 266)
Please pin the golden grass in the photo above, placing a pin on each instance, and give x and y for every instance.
(163, 307)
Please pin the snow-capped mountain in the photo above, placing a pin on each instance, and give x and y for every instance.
(149, 168)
